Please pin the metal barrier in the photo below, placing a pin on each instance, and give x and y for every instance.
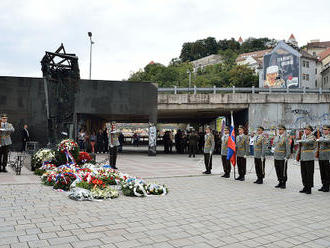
(253, 90)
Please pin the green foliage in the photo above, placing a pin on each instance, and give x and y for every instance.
(84, 185)
(253, 44)
(39, 172)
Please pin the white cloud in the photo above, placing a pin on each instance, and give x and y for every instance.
(129, 34)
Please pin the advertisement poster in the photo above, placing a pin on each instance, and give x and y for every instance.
(281, 68)
(220, 124)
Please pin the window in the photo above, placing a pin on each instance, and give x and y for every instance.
(305, 76)
(305, 63)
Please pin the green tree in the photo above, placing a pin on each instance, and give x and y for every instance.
(243, 76)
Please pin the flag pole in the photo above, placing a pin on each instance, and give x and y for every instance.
(232, 123)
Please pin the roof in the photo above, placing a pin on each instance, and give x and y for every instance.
(322, 44)
(292, 37)
(324, 54)
(255, 54)
(307, 55)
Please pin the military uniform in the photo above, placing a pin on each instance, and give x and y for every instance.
(307, 146)
(113, 136)
(208, 150)
(324, 157)
(242, 150)
(224, 151)
(5, 141)
(260, 147)
(281, 156)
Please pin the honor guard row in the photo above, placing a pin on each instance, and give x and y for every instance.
(309, 149)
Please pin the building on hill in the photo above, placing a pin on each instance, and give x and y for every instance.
(253, 60)
(292, 40)
(212, 59)
(240, 40)
(316, 47)
(287, 67)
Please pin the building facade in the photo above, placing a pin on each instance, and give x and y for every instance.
(212, 59)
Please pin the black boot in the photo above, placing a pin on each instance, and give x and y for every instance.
(242, 178)
(227, 175)
(224, 175)
(278, 185)
(257, 181)
(283, 185)
(308, 191)
(238, 178)
(326, 188)
(321, 189)
(260, 181)
(303, 190)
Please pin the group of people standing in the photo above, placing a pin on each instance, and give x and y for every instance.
(310, 148)
(96, 142)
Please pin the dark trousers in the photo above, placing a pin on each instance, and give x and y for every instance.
(307, 173)
(192, 150)
(99, 147)
(208, 162)
(260, 167)
(226, 164)
(325, 172)
(241, 165)
(113, 156)
(281, 170)
(4, 150)
(24, 146)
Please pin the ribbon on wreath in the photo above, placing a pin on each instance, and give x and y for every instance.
(69, 156)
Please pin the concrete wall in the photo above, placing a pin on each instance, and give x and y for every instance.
(292, 115)
(23, 99)
(117, 100)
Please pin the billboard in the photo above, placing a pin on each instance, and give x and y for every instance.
(281, 68)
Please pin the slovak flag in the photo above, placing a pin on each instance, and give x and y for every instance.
(231, 154)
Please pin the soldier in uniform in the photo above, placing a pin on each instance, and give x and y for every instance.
(281, 156)
(306, 149)
(208, 150)
(260, 146)
(224, 151)
(5, 141)
(242, 150)
(324, 157)
(113, 136)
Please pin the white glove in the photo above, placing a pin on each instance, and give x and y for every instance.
(245, 156)
(210, 152)
(317, 140)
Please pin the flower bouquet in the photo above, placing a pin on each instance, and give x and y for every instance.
(42, 156)
(157, 189)
(134, 187)
(84, 157)
(63, 181)
(104, 193)
(67, 152)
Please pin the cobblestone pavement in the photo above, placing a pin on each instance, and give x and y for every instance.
(199, 211)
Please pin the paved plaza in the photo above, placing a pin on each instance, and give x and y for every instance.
(199, 211)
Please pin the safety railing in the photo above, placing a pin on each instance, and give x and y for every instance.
(253, 90)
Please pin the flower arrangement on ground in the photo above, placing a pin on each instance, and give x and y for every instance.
(67, 151)
(41, 156)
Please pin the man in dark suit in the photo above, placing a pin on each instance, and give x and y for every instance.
(25, 136)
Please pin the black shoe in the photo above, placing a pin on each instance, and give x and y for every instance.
(303, 190)
(115, 168)
(326, 189)
(256, 181)
(260, 181)
(227, 176)
(283, 186)
(321, 189)
(206, 172)
(238, 178)
(242, 179)
(308, 191)
(278, 185)
(4, 170)
(189, 156)
(224, 175)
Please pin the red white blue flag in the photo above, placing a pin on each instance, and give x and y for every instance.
(231, 154)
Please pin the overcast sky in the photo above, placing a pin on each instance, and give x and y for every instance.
(128, 34)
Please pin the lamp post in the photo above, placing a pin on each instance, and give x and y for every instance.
(90, 55)
(189, 72)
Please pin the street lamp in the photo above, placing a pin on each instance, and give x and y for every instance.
(189, 72)
(90, 55)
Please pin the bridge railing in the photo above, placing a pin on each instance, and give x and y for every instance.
(215, 90)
